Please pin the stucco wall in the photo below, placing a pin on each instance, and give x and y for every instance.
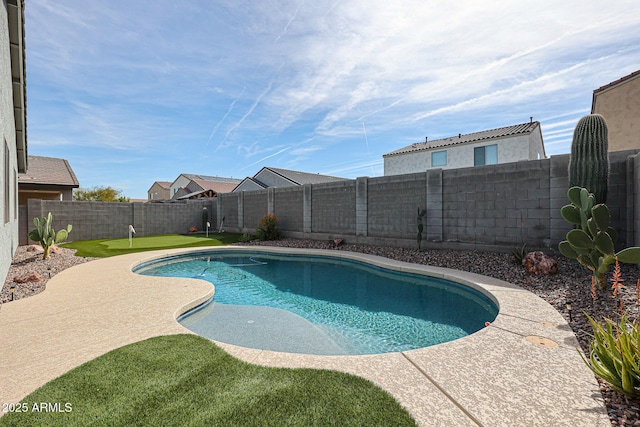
(510, 149)
(157, 192)
(620, 106)
(8, 226)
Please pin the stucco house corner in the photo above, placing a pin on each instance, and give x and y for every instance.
(13, 125)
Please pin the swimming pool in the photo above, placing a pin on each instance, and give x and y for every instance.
(323, 305)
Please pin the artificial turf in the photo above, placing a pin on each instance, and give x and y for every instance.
(111, 247)
(186, 380)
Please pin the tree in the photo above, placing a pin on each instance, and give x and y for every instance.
(99, 194)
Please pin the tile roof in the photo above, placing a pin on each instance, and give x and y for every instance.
(195, 177)
(163, 184)
(302, 178)
(519, 129)
(617, 82)
(50, 171)
(217, 186)
(611, 85)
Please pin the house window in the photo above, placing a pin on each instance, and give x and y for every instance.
(7, 187)
(487, 155)
(439, 158)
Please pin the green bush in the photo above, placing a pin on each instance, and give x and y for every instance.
(246, 237)
(614, 355)
(268, 228)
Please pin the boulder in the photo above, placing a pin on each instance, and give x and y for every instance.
(539, 264)
(31, 277)
(34, 248)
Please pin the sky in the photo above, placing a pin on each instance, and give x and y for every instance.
(132, 92)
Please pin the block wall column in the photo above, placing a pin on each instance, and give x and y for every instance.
(241, 210)
(636, 198)
(306, 209)
(434, 218)
(558, 187)
(138, 219)
(219, 211)
(271, 200)
(362, 221)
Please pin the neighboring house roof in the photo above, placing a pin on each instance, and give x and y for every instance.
(217, 186)
(49, 171)
(249, 180)
(519, 129)
(194, 177)
(203, 188)
(166, 185)
(301, 178)
(611, 85)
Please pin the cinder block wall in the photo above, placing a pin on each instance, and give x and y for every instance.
(255, 207)
(393, 204)
(635, 200)
(100, 220)
(334, 208)
(288, 208)
(490, 207)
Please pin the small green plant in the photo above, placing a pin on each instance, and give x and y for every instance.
(268, 228)
(246, 237)
(421, 214)
(592, 242)
(520, 251)
(46, 235)
(614, 355)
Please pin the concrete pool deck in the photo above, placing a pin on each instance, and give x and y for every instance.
(499, 376)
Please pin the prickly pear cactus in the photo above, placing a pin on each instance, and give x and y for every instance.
(589, 161)
(592, 242)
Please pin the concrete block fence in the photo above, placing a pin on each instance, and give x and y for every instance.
(493, 207)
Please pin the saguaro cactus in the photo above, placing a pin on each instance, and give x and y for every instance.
(589, 161)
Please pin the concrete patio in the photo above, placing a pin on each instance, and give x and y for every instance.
(522, 370)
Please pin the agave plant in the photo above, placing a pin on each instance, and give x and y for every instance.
(614, 355)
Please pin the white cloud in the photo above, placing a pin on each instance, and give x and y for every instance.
(252, 79)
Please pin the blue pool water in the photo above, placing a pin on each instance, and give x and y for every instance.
(324, 305)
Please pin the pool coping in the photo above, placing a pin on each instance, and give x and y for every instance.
(523, 369)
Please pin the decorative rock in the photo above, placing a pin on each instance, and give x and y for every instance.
(31, 277)
(34, 248)
(539, 264)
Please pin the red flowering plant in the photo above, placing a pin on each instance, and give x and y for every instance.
(268, 228)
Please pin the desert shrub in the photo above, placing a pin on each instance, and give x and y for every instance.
(268, 228)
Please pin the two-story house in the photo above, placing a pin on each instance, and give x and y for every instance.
(502, 145)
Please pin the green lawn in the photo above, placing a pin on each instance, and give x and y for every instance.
(111, 247)
(186, 380)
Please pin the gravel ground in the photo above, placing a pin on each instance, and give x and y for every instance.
(572, 283)
(27, 260)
